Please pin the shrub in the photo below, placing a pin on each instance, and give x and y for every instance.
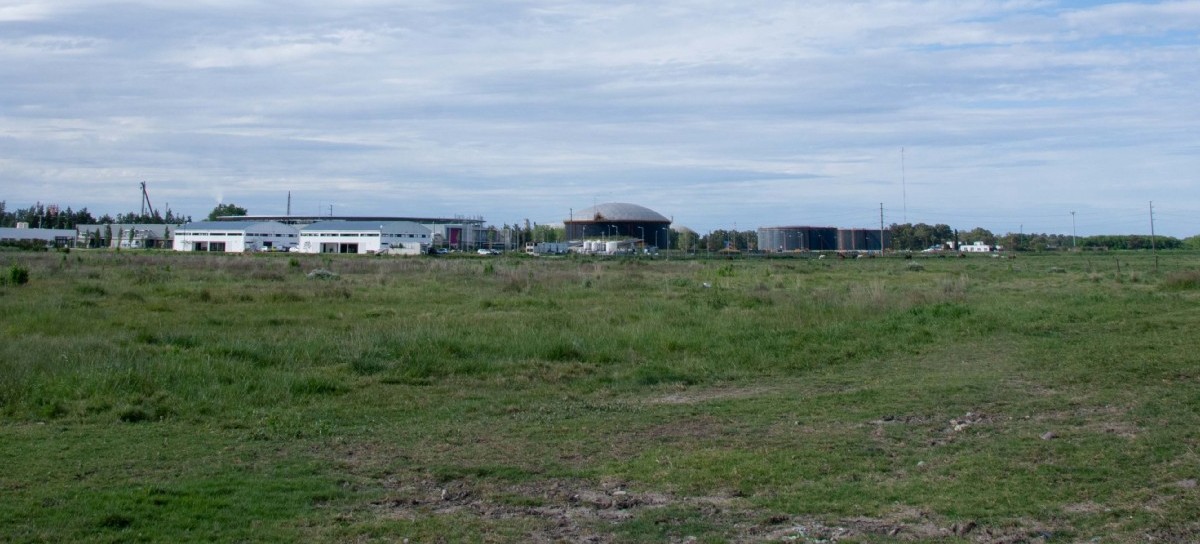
(18, 275)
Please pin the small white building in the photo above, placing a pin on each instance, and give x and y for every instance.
(393, 237)
(978, 247)
(235, 236)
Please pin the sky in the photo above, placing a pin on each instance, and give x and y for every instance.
(1002, 114)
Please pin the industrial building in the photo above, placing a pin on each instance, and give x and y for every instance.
(394, 237)
(49, 237)
(619, 220)
(464, 233)
(125, 235)
(808, 238)
(235, 236)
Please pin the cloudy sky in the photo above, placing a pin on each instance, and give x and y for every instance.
(1003, 114)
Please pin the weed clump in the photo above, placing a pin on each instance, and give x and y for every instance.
(1180, 281)
(323, 274)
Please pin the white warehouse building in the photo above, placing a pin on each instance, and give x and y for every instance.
(235, 236)
(394, 237)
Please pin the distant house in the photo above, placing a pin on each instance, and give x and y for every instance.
(49, 237)
(235, 236)
(125, 235)
(978, 247)
(395, 237)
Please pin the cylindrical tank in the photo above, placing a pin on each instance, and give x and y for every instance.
(612, 248)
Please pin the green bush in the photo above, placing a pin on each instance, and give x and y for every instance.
(18, 275)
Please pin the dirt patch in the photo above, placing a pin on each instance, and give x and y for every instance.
(1087, 507)
(704, 395)
(1110, 420)
(565, 510)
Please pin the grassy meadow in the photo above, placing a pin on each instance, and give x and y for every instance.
(149, 396)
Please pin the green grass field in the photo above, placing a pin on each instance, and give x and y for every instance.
(177, 397)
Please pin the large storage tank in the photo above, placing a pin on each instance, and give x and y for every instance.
(853, 240)
(620, 220)
(798, 238)
(861, 239)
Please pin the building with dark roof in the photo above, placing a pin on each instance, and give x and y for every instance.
(49, 237)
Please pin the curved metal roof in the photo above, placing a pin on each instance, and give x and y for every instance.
(618, 211)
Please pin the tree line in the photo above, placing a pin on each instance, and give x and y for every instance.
(40, 216)
(920, 236)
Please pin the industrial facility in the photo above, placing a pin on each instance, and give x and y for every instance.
(807, 238)
(619, 220)
(125, 235)
(235, 236)
(394, 237)
(463, 233)
(48, 237)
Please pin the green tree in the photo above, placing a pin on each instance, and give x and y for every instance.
(979, 234)
(225, 210)
(685, 240)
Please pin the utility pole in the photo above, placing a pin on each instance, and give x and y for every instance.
(880, 229)
(1153, 249)
(146, 201)
(1073, 246)
(904, 184)
(289, 207)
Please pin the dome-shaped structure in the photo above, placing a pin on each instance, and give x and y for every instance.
(619, 211)
(620, 219)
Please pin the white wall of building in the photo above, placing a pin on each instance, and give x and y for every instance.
(235, 236)
(361, 237)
